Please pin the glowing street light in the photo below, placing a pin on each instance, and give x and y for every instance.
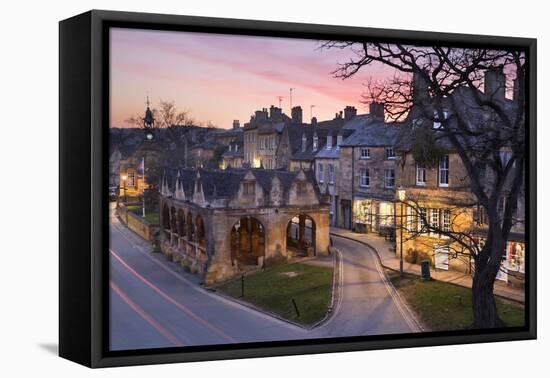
(124, 178)
(401, 196)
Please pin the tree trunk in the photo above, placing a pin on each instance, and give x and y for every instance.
(483, 299)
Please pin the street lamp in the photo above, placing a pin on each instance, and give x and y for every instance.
(124, 178)
(401, 196)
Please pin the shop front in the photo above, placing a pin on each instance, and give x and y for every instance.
(371, 215)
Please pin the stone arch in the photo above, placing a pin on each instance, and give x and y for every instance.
(190, 227)
(200, 233)
(301, 234)
(165, 217)
(173, 222)
(181, 223)
(248, 242)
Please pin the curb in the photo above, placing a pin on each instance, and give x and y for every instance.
(518, 301)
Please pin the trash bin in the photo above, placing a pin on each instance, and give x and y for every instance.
(425, 270)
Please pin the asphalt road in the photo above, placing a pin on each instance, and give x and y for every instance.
(153, 305)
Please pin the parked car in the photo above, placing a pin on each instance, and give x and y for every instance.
(113, 193)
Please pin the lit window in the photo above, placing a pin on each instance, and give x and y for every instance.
(444, 171)
(131, 180)
(389, 178)
(365, 153)
(390, 153)
(420, 175)
(434, 220)
(446, 220)
(422, 219)
(364, 178)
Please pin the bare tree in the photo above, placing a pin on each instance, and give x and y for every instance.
(440, 86)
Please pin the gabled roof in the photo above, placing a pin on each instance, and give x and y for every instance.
(226, 183)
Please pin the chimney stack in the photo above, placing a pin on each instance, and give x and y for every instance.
(420, 89)
(261, 115)
(275, 114)
(296, 114)
(236, 124)
(314, 121)
(376, 111)
(349, 112)
(495, 82)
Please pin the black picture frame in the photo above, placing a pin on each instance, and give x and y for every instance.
(83, 229)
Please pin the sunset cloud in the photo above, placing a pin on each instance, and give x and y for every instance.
(220, 78)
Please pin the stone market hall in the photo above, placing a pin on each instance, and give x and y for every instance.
(221, 223)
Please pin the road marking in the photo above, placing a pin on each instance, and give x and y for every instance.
(403, 309)
(145, 316)
(124, 233)
(169, 299)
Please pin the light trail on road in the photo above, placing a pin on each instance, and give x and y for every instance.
(144, 315)
(169, 299)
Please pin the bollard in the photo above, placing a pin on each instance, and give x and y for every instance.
(242, 286)
(296, 308)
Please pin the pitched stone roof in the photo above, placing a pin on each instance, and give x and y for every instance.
(373, 134)
(226, 183)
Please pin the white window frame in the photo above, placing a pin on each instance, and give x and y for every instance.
(445, 221)
(422, 214)
(364, 178)
(131, 179)
(321, 172)
(390, 153)
(441, 169)
(365, 153)
(386, 178)
(434, 220)
(418, 170)
(331, 173)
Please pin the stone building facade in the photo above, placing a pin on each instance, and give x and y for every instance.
(222, 223)
(440, 196)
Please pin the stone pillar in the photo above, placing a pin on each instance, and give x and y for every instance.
(218, 248)
(322, 240)
(302, 228)
(275, 229)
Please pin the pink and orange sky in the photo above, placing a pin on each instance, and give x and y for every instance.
(220, 78)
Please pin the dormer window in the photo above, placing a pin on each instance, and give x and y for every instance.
(329, 142)
(365, 153)
(236, 147)
(437, 123)
(249, 188)
(301, 187)
(390, 153)
(315, 143)
(304, 143)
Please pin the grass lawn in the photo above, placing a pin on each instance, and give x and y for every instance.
(273, 290)
(152, 218)
(442, 306)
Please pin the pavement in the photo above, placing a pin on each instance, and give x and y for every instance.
(154, 303)
(390, 260)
